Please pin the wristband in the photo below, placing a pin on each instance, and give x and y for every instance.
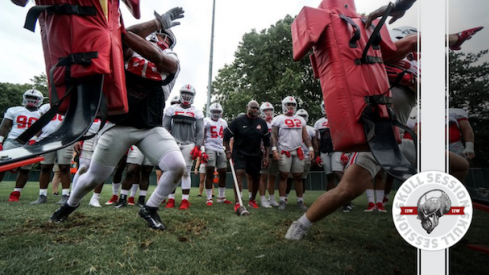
(274, 148)
(311, 149)
(202, 149)
(469, 146)
(1, 139)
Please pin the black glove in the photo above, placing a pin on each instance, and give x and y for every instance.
(166, 19)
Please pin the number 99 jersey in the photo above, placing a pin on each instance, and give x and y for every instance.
(214, 133)
(22, 119)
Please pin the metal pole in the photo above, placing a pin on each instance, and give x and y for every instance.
(209, 85)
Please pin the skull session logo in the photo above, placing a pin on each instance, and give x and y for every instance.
(432, 210)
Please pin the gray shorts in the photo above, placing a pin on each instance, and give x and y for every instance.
(186, 149)
(216, 159)
(202, 168)
(12, 144)
(114, 142)
(292, 164)
(457, 148)
(61, 156)
(307, 167)
(408, 150)
(332, 162)
(367, 161)
(135, 156)
(272, 167)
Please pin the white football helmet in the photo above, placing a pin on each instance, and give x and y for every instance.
(401, 32)
(187, 94)
(32, 98)
(266, 110)
(323, 109)
(289, 109)
(175, 100)
(215, 111)
(167, 41)
(303, 113)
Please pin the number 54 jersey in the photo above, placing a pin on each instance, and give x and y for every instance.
(22, 119)
(214, 133)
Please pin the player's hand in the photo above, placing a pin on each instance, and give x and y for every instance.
(228, 155)
(78, 147)
(196, 172)
(205, 157)
(319, 162)
(276, 155)
(469, 150)
(311, 155)
(32, 142)
(196, 153)
(395, 14)
(266, 161)
(167, 19)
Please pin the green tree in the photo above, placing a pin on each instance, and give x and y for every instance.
(263, 70)
(469, 90)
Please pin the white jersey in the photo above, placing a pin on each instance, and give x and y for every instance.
(183, 122)
(52, 125)
(455, 115)
(321, 124)
(289, 132)
(140, 66)
(22, 119)
(312, 133)
(214, 134)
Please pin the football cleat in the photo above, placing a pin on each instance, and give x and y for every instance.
(296, 231)
(14, 196)
(184, 205)
(223, 200)
(265, 203)
(236, 206)
(62, 213)
(130, 201)
(112, 200)
(170, 203)
(94, 203)
(63, 199)
(252, 203)
(301, 205)
(42, 199)
(380, 207)
(141, 201)
(209, 203)
(273, 203)
(371, 207)
(121, 203)
(282, 205)
(150, 214)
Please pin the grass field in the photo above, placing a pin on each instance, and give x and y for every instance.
(211, 240)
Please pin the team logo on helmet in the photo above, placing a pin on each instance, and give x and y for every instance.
(289, 105)
(32, 98)
(187, 94)
(303, 113)
(215, 111)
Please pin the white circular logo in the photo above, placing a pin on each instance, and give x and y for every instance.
(432, 210)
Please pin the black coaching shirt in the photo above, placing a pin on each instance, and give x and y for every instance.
(248, 134)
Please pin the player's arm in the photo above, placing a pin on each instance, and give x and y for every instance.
(228, 135)
(273, 142)
(307, 140)
(468, 136)
(4, 129)
(167, 122)
(199, 130)
(165, 63)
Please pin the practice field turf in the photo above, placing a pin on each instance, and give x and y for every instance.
(211, 240)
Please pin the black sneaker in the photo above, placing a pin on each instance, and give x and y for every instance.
(347, 208)
(141, 201)
(150, 214)
(55, 194)
(121, 203)
(62, 213)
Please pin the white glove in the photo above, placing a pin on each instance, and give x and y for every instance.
(166, 19)
(469, 150)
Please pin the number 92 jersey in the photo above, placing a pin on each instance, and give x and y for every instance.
(289, 132)
(22, 119)
(214, 133)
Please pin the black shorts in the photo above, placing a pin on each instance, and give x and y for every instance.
(251, 165)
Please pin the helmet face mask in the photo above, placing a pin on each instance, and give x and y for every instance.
(187, 94)
(215, 111)
(164, 39)
(401, 32)
(289, 105)
(266, 110)
(32, 99)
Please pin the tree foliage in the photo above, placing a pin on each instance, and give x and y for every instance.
(12, 93)
(469, 90)
(263, 70)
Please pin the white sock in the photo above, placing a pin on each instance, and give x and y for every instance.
(18, 189)
(208, 192)
(300, 199)
(115, 188)
(370, 195)
(271, 197)
(89, 181)
(43, 192)
(305, 221)
(222, 192)
(379, 194)
(249, 195)
(171, 196)
(263, 198)
(95, 196)
(142, 193)
(66, 192)
(134, 189)
(185, 197)
(282, 198)
(124, 192)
